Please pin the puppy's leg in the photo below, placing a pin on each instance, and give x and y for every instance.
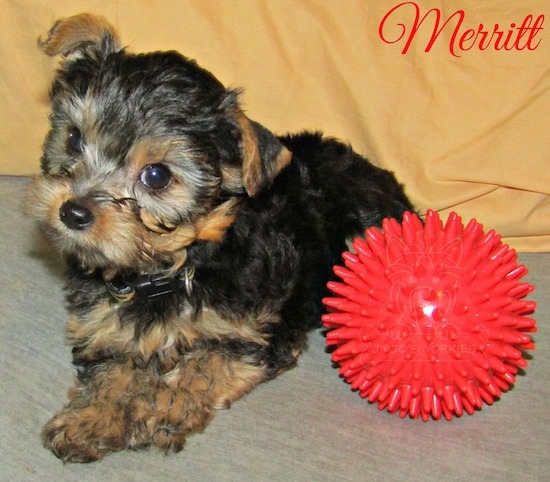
(186, 398)
(124, 407)
(93, 423)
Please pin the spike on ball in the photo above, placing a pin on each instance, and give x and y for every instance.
(429, 319)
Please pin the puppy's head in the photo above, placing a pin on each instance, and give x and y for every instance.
(146, 153)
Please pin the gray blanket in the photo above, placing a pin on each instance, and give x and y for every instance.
(305, 425)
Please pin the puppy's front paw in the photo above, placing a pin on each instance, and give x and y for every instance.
(83, 435)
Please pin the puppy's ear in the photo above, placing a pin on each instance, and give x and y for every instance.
(263, 155)
(74, 36)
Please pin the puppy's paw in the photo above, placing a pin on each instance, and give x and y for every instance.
(83, 435)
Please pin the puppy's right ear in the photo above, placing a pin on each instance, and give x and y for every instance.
(78, 35)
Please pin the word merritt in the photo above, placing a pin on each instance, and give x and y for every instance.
(517, 37)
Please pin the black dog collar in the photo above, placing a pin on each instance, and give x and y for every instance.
(125, 287)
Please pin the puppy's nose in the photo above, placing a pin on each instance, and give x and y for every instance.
(75, 216)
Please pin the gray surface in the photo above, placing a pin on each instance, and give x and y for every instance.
(306, 425)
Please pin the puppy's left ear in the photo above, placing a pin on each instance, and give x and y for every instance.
(263, 155)
(76, 35)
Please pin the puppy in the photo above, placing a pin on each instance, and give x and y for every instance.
(197, 243)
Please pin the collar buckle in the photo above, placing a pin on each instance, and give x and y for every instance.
(124, 288)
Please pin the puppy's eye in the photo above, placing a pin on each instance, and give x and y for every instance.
(156, 176)
(75, 143)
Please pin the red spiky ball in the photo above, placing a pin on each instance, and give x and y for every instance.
(429, 319)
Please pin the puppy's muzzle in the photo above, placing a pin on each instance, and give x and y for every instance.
(76, 215)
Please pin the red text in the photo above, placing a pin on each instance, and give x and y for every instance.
(518, 36)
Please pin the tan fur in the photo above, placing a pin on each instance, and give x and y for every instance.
(253, 165)
(232, 178)
(211, 227)
(128, 405)
(252, 162)
(232, 379)
(115, 232)
(114, 235)
(103, 330)
(147, 151)
(214, 226)
(153, 224)
(68, 34)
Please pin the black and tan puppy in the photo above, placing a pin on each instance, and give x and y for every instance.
(197, 243)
